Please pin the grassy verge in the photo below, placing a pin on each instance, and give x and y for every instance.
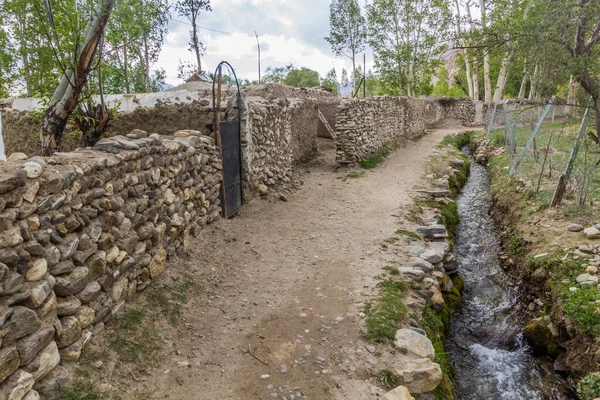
(385, 313)
(374, 160)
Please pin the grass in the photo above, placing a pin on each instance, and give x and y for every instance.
(589, 387)
(434, 326)
(386, 312)
(388, 379)
(135, 337)
(355, 175)
(80, 390)
(374, 160)
(412, 235)
(392, 270)
(459, 140)
(391, 240)
(168, 300)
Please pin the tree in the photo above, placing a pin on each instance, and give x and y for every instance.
(276, 74)
(302, 77)
(331, 81)
(74, 78)
(347, 35)
(344, 81)
(405, 36)
(191, 9)
(8, 61)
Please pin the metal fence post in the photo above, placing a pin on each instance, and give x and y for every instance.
(515, 166)
(492, 120)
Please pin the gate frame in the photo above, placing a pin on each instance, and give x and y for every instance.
(217, 128)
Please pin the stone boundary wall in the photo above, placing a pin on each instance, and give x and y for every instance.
(368, 126)
(82, 232)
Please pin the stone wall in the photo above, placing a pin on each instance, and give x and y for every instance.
(368, 126)
(82, 232)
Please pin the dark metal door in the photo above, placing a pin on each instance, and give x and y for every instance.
(232, 166)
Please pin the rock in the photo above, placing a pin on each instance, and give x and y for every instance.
(30, 346)
(157, 265)
(68, 247)
(17, 385)
(39, 294)
(63, 267)
(85, 316)
(587, 279)
(118, 289)
(540, 338)
(68, 305)
(22, 322)
(11, 237)
(36, 270)
(437, 300)
(592, 233)
(263, 189)
(11, 181)
(73, 283)
(9, 361)
(591, 269)
(71, 331)
(400, 393)
(413, 342)
(46, 361)
(73, 352)
(33, 169)
(433, 231)
(575, 228)
(539, 275)
(416, 274)
(50, 386)
(421, 264)
(17, 157)
(419, 376)
(90, 292)
(32, 395)
(432, 256)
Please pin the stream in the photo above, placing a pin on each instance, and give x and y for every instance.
(486, 344)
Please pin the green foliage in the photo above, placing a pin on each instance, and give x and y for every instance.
(386, 312)
(435, 327)
(412, 235)
(170, 299)
(388, 379)
(404, 36)
(277, 74)
(134, 338)
(302, 77)
(515, 244)
(443, 87)
(331, 81)
(373, 161)
(589, 387)
(392, 270)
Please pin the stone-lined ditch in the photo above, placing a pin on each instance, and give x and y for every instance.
(491, 360)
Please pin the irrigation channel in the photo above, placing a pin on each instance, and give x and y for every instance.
(486, 345)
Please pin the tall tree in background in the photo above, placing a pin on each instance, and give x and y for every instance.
(191, 9)
(344, 82)
(276, 74)
(74, 76)
(405, 36)
(347, 35)
(331, 81)
(8, 60)
(302, 77)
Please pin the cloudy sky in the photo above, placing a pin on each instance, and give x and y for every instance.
(290, 32)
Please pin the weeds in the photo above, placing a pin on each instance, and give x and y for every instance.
(392, 270)
(391, 240)
(388, 379)
(374, 160)
(170, 299)
(384, 315)
(589, 387)
(355, 175)
(81, 390)
(433, 325)
(412, 235)
(135, 338)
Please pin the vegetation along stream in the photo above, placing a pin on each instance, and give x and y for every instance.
(490, 356)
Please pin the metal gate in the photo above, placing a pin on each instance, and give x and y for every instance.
(228, 137)
(232, 166)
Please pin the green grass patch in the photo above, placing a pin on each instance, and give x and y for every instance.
(374, 160)
(459, 140)
(416, 236)
(134, 337)
(80, 390)
(391, 240)
(515, 244)
(387, 379)
(392, 270)
(385, 313)
(435, 327)
(169, 299)
(355, 175)
(589, 387)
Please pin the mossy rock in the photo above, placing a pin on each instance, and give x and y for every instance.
(453, 300)
(445, 391)
(459, 283)
(540, 338)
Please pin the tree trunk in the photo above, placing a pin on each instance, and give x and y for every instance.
(126, 69)
(523, 88)
(196, 47)
(532, 90)
(465, 53)
(353, 71)
(146, 66)
(486, 59)
(476, 61)
(572, 97)
(66, 97)
(501, 84)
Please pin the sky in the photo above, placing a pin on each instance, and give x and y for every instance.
(290, 32)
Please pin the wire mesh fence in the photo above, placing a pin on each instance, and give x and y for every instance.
(551, 150)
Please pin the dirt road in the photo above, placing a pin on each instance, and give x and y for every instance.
(275, 313)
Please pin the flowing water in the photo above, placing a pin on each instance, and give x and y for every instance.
(486, 344)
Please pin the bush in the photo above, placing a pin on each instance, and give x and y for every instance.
(589, 387)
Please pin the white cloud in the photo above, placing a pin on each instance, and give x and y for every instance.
(291, 32)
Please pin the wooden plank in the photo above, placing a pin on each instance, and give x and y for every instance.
(326, 124)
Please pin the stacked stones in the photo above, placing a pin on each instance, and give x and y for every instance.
(82, 232)
(304, 118)
(368, 126)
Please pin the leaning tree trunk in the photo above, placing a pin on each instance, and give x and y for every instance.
(501, 84)
(66, 97)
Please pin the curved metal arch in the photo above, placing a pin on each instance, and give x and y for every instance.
(217, 128)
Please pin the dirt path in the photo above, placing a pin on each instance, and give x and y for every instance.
(286, 280)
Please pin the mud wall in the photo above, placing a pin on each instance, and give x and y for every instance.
(82, 232)
(368, 126)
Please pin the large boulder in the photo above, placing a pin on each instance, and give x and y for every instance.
(420, 375)
(400, 393)
(413, 342)
(540, 338)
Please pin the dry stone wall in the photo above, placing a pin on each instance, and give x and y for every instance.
(368, 126)
(82, 232)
